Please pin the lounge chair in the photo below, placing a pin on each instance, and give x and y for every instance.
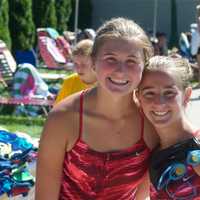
(7, 71)
(53, 48)
(7, 65)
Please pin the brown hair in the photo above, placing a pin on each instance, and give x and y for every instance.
(178, 66)
(122, 28)
(83, 48)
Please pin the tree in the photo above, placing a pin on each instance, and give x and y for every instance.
(21, 24)
(63, 12)
(174, 32)
(44, 13)
(85, 11)
(4, 23)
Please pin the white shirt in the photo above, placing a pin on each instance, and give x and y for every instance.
(195, 41)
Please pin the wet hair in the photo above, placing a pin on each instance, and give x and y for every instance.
(177, 66)
(83, 48)
(125, 29)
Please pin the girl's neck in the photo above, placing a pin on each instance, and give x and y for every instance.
(113, 106)
(175, 133)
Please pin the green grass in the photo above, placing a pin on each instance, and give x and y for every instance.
(29, 125)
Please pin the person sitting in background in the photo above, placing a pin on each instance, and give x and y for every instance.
(27, 83)
(195, 40)
(85, 76)
(162, 43)
(184, 45)
(87, 33)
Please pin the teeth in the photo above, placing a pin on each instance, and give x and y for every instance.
(119, 81)
(160, 113)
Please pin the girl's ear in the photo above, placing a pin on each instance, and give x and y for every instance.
(136, 97)
(93, 63)
(136, 93)
(188, 93)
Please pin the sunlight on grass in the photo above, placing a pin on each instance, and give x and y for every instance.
(30, 126)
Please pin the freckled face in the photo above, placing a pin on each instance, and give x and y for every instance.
(161, 99)
(119, 65)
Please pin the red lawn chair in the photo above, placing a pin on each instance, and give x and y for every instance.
(54, 49)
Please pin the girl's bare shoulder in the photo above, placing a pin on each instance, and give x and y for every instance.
(63, 119)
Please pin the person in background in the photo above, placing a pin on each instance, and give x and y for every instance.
(162, 43)
(163, 95)
(195, 40)
(28, 84)
(101, 153)
(84, 77)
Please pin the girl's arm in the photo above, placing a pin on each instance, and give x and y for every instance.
(143, 190)
(52, 149)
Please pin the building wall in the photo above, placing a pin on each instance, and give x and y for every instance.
(142, 11)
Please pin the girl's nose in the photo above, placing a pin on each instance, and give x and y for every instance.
(121, 66)
(159, 100)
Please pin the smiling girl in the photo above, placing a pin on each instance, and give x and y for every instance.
(163, 95)
(96, 144)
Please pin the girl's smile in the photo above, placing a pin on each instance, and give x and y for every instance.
(119, 65)
(161, 99)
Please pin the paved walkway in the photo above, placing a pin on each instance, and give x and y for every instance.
(193, 109)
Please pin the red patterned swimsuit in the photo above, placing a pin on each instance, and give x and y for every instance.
(92, 175)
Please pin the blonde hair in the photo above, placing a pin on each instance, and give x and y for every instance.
(122, 28)
(178, 66)
(83, 48)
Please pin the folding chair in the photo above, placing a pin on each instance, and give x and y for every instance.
(53, 48)
(7, 69)
(7, 65)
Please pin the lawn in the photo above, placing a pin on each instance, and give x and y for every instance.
(29, 125)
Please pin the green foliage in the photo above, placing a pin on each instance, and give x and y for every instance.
(85, 15)
(63, 12)
(21, 24)
(44, 13)
(4, 23)
(174, 32)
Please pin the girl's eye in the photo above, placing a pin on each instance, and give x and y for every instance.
(131, 62)
(148, 95)
(169, 94)
(111, 60)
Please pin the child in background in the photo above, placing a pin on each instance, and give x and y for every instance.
(163, 95)
(85, 76)
(100, 153)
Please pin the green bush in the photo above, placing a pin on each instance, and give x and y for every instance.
(44, 13)
(63, 12)
(4, 23)
(21, 24)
